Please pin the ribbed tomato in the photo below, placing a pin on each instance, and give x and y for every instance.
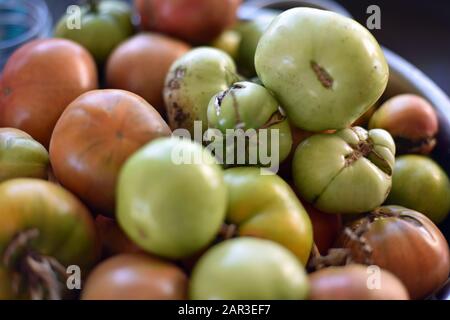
(43, 230)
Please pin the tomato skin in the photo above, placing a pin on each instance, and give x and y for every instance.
(113, 239)
(66, 229)
(326, 227)
(265, 206)
(95, 135)
(101, 28)
(135, 277)
(39, 80)
(21, 156)
(141, 63)
(196, 21)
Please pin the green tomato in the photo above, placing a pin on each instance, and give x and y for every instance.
(248, 268)
(349, 171)
(170, 206)
(420, 184)
(251, 107)
(251, 32)
(325, 69)
(102, 27)
(228, 42)
(21, 156)
(192, 81)
(265, 206)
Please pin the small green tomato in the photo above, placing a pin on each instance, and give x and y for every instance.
(420, 184)
(171, 197)
(346, 172)
(192, 81)
(251, 107)
(248, 268)
(325, 69)
(21, 156)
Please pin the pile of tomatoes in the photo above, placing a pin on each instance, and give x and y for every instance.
(87, 182)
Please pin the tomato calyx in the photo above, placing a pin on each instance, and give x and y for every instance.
(335, 257)
(40, 275)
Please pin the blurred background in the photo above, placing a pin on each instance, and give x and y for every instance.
(417, 30)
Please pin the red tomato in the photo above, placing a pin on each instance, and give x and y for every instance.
(196, 21)
(93, 138)
(39, 81)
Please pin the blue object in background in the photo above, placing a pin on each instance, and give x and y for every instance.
(22, 21)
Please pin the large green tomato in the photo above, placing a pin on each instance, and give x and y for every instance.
(103, 25)
(420, 184)
(325, 69)
(42, 224)
(248, 268)
(192, 81)
(168, 205)
(265, 206)
(349, 171)
(21, 156)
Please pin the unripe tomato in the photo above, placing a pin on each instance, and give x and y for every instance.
(39, 81)
(43, 222)
(171, 197)
(248, 268)
(21, 156)
(135, 277)
(103, 25)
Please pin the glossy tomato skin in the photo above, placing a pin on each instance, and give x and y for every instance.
(94, 137)
(66, 229)
(102, 28)
(141, 63)
(21, 156)
(39, 81)
(113, 240)
(196, 21)
(135, 277)
(326, 227)
(264, 206)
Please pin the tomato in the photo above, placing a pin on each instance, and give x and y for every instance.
(39, 221)
(135, 277)
(171, 197)
(196, 21)
(141, 63)
(265, 206)
(103, 26)
(112, 238)
(21, 155)
(39, 80)
(326, 227)
(93, 138)
(248, 268)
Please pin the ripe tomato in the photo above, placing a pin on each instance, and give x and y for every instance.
(93, 138)
(112, 238)
(141, 63)
(39, 80)
(326, 227)
(135, 277)
(21, 156)
(41, 221)
(196, 21)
